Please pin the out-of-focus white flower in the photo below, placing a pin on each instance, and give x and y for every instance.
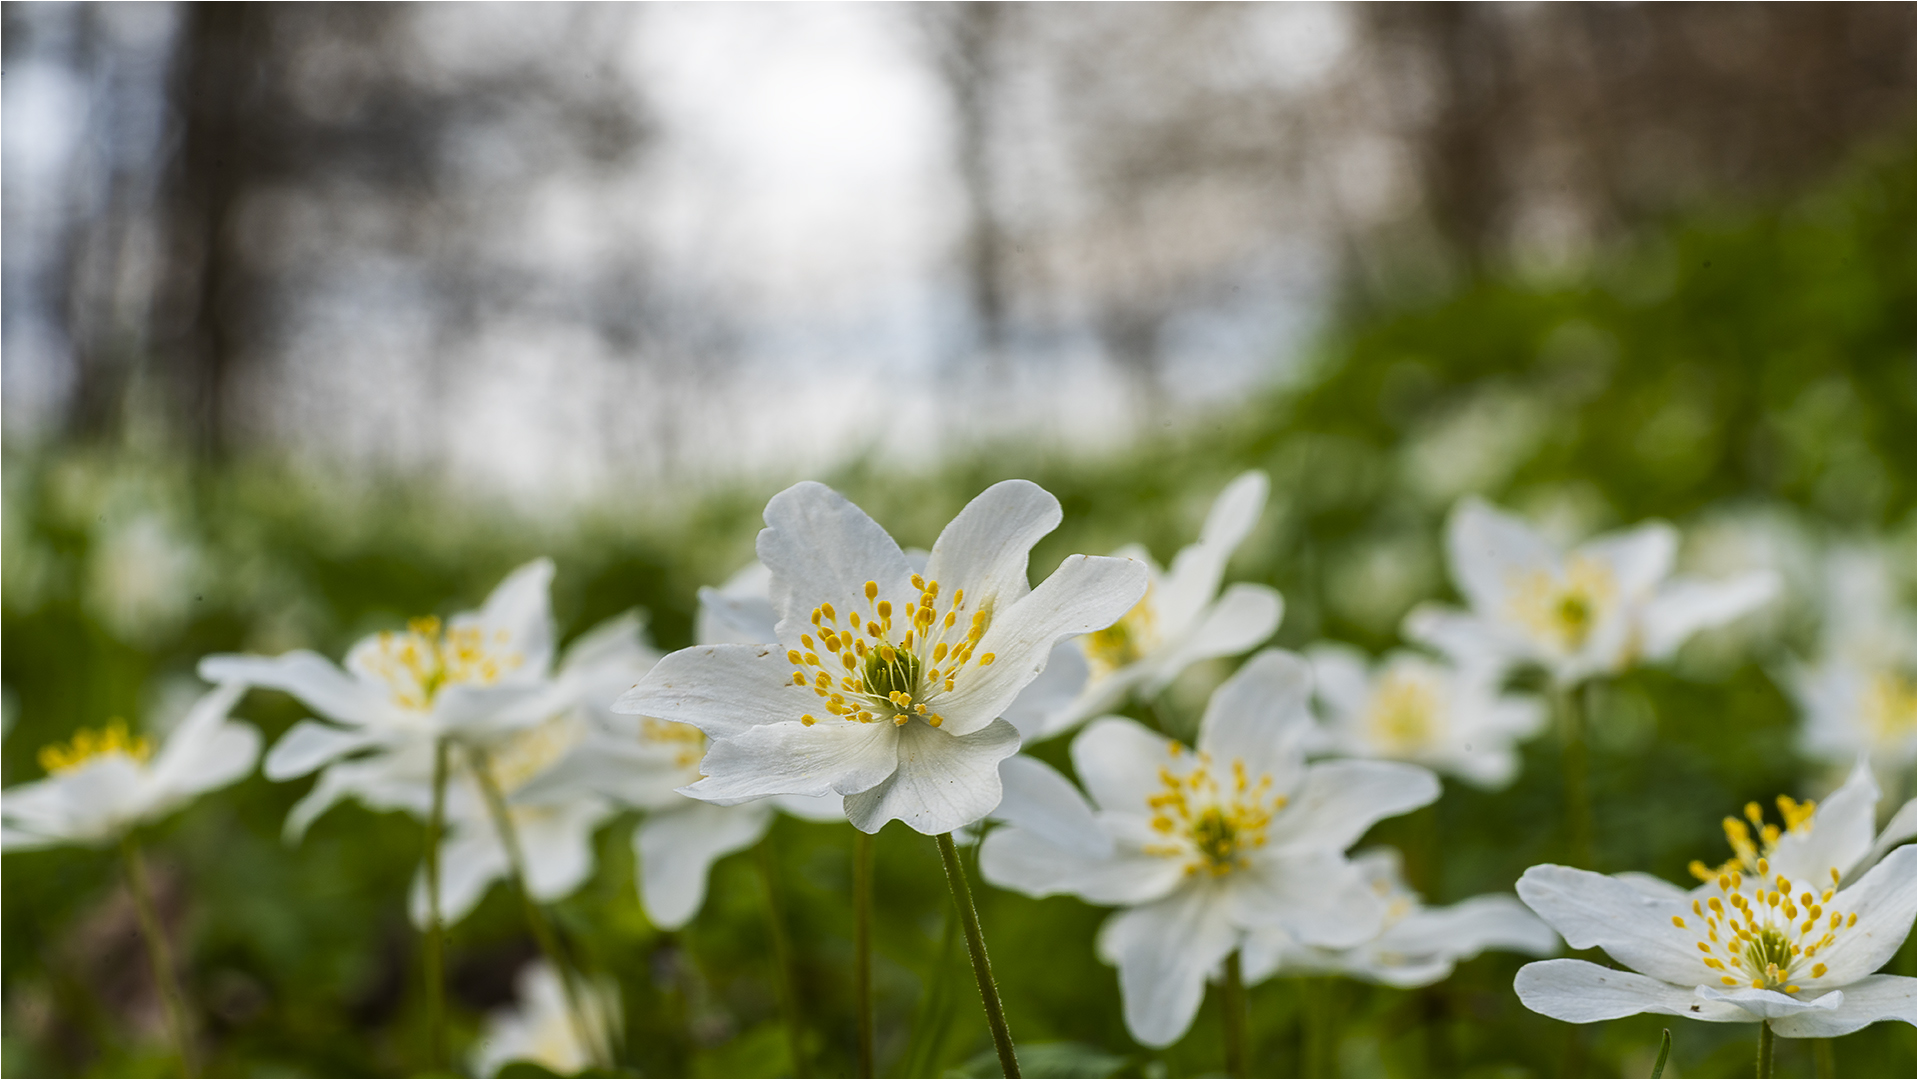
(542, 1029)
(1418, 946)
(1857, 696)
(1411, 708)
(1182, 618)
(103, 784)
(1790, 931)
(1203, 848)
(476, 680)
(1597, 609)
(885, 686)
(141, 577)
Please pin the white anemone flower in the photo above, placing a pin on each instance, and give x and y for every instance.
(542, 1029)
(1203, 848)
(475, 680)
(1413, 708)
(1597, 609)
(1418, 946)
(885, 686)
(103, 784)
(1791, 931)
(1182, 618)
(1857, 696)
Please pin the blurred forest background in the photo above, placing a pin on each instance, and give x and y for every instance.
(317, 316)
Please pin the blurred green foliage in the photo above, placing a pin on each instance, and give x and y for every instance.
(1760, 357)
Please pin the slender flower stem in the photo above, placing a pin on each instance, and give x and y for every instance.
(1664, 1054)
(536, 919)
(1822, 1060)
(787, 985)
(1576, 769)
(976, 947)
(1765, 1038)
(165, 978)
(435, 934)
(1233, 1003)
(862, 945)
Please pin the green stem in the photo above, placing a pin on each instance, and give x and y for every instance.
(1318, 1019)
(1824, 1063)
(1664, 1053)
(536, 919)
(165, 979)
(1765, 1039)
(785, 984)
(1573, 761)
(862, 945)
(435, 933)
(1233, 1003)
(976, 947)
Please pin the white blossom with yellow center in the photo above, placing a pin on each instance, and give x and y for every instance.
(540, 1027)
(1857, 696)
(1203, 847)
(885, 685)
(1597, 609)
(102, 784)
(1791, 931)
(1413, 708)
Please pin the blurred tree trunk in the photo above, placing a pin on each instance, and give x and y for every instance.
(967, 40)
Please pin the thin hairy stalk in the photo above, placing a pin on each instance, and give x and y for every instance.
(976, 948)
(165, 978)
(1664, 1054)
(786, 984)
(536, 919)
(1232, 1000)
(435, 949)
(1765, 1040)
(862, 945)
(1576, 768)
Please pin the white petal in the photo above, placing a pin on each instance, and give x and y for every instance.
(984, 549)
(207, 750)
(722, 690)
(1592, 910)
(740, 611)
(634, 772)
(1039, 799)
(309, 745)
(1469, 927)
(312, 678)
(1118, 760)
(1473, 643)
(1578, 992)
(520, 607)
(677, 849)
(1639, 558)
(1340, 679)
(1317, 896)
(1197, 570)
(1017, 858)
(1885, 901)
(558, 844)
(1488, 550)
(1164, 951)
(1340, 800)
(833, 755)
(822, 549)
(943, 781)
(1903, 826)
(1655, 887)
(470, 860)
(1086, 593)
(1041, 709)
(1840, 833)
(820, 808)
(1244, 617)
(1770, 1004)
(1684, 607)
(1867, 1001)
(1260, 716)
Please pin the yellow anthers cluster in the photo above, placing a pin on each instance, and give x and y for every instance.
(1215, 823)
(1757, 932)
(889, 663)
(87, 745)
(689, 742)
(1403, 714)
(1124, 642)
(1564, 609)
(425, 657)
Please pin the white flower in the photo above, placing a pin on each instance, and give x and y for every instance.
(1203, 848)
(1790, 931)
(103, 784)
(476, 680)
(542, 1030)
(1594, 610)
(885, 686)
(1411, 708)
(1418, 946)
(1182, 619)
(1857, 697)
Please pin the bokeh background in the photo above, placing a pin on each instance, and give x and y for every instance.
(318, 316)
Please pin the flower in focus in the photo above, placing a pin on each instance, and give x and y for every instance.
(1182, 618)
(1411, 708)
(542, 1030)
(1203, 848)
(1594, 610)
(1790, 930)
(1857, 696)
(1418, 945)
(103, 784)
(885, 685)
